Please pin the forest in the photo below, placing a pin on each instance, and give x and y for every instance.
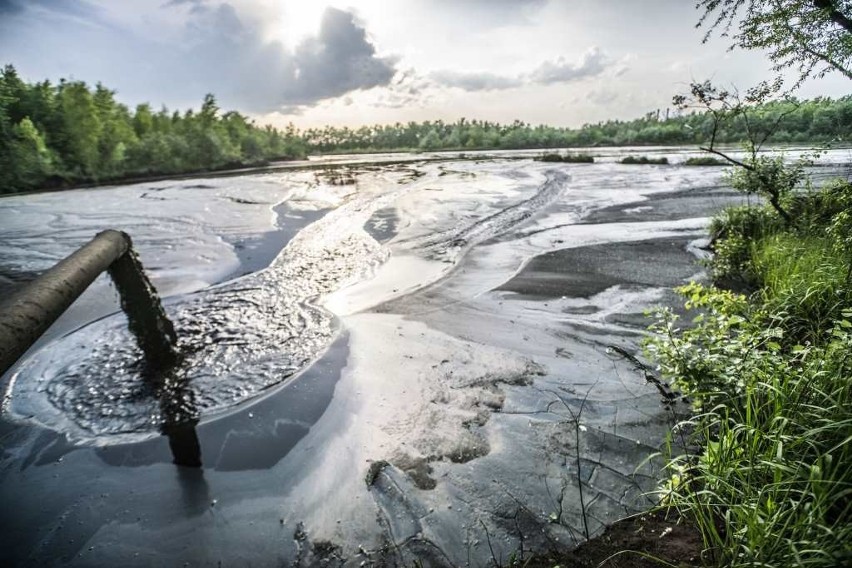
(820, 120)
(54, 136)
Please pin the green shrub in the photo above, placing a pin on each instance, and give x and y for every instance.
(815, 210)
(733, 230)
(771, 178)
(804, 270)
(643, 160)
(704, 161)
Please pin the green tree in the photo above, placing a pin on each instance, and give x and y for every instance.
(143, 120)
(116, 135)
(80, 129)
(30, 158)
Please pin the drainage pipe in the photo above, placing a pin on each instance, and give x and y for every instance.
(27, 314)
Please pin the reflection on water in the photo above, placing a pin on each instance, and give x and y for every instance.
(195, 492)
(180, 416)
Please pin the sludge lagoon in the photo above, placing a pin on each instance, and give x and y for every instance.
(383, 362)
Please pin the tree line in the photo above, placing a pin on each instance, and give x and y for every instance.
(59, 135)
(56, 135)
(789, 121)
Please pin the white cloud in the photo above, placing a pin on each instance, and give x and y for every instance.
(475, 81)
(592, 63)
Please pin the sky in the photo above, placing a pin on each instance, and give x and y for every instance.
(356, 62)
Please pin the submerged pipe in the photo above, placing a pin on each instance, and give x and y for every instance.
(27, 314)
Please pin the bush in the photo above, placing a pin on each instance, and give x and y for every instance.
(815, 210)
(749, 253)
(642, 160)
(704, 161)
(770, 376)
(770, 178)
(804, 278)
(733, 231)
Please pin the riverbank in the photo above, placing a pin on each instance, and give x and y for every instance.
(769, 481)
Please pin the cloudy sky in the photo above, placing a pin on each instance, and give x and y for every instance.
(353, 62)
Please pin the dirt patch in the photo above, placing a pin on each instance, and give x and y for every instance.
(644, 541)
(585, 271)
(418, 470)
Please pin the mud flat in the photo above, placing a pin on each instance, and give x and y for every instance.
(424, 372)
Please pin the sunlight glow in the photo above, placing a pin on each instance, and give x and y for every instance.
(299, 19)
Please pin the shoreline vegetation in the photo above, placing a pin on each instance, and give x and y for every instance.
(68, 135)
(767, 365)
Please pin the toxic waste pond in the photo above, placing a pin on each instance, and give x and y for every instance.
(424, 364)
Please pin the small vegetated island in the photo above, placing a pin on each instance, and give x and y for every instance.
(644, 160)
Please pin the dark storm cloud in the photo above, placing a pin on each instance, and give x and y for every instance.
(9, 7)
(220, 52)
(265, 76)
(592, 63)
(339, 60)
(67, 7)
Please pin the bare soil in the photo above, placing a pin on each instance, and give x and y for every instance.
(644, 541)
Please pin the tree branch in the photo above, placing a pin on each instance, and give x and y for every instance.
(734, 161)
(834, 14)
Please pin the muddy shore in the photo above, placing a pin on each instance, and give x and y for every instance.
(466, 406)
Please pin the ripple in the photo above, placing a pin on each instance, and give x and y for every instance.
(236, 340)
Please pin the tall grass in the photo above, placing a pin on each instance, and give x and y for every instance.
(803, 278)
(732, 231)
(773, 484)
